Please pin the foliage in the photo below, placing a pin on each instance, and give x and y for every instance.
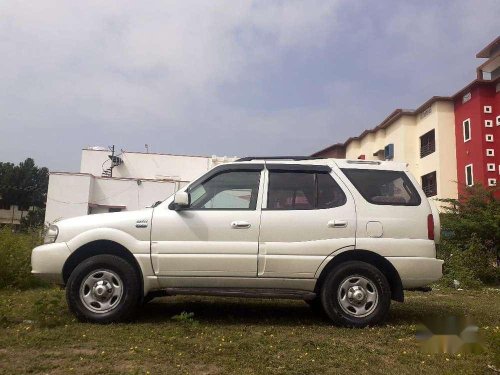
(15, 259)
(470, 266)
(185, 317)
(471, 249)
(35, 219)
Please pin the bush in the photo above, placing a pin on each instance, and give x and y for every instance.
(15, 259)
(471, 232)
(471, 266)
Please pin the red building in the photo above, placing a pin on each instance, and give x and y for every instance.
(477, 123)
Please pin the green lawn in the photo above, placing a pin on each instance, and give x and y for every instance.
(236, 336)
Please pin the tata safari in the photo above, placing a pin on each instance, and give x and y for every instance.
(346, 236)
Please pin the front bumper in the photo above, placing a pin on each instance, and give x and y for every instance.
(416, 272)
(47, 261)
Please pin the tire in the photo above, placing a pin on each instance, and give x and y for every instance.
(103, 289)
(356, 294)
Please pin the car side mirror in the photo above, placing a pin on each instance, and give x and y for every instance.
(181, 201)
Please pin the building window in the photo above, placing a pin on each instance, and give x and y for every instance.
(489, 137)
(4, 205)
(490, 152)
(466, 97)
(389, 151)
(488, 123)
(498, 120)
(469, 175)
(427, 143)
(492, 182)
(490, 167)
(429, 184)
(466, 130)
(487, 109)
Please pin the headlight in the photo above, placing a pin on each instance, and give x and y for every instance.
(51, 235)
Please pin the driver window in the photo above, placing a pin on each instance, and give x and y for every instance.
(232, 190)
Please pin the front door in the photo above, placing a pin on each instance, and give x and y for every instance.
(217, 234)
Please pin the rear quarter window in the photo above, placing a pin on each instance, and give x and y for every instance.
(392, 188)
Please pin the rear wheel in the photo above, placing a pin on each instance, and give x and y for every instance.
(103, 289)
(356, 294)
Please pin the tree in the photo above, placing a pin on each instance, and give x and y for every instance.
(24, 185)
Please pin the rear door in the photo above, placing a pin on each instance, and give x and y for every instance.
(307, 215)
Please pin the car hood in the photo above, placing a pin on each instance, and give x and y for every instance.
(126, 220)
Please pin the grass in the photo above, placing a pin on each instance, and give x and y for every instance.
(205, 335)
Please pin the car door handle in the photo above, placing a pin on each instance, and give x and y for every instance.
(337, 224)
(240, 224)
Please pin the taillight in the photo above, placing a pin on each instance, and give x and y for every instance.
(430, 227)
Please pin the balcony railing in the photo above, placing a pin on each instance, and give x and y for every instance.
(427, 148)
(430, 190)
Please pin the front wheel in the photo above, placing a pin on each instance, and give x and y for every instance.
(103, 289)
(356, 294)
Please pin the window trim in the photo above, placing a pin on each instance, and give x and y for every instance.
(221, 170)
(492, 182)
(405, 177)
(490, 167)
(498, 120)
(487, 109)
(463, 130)
(471, 175)
(490, 152)
(310, 171)
(488, 123)
(489, 138)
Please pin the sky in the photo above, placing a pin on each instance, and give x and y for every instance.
(220, 77)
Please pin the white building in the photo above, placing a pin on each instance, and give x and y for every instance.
(139, 180)
(10, 214)
(424, 138)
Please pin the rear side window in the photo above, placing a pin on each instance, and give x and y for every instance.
(392, 188)
(303, 191)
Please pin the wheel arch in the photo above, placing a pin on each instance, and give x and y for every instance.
(369, 257)
(100, 247)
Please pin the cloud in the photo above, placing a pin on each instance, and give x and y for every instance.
(221, 77)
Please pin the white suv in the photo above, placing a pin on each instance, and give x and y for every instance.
(346, 236)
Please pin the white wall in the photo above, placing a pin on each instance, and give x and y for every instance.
(68, 196)
(150, 166)
(71, 195)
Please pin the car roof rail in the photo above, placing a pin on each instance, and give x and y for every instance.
(372, 162)
(250, 158)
